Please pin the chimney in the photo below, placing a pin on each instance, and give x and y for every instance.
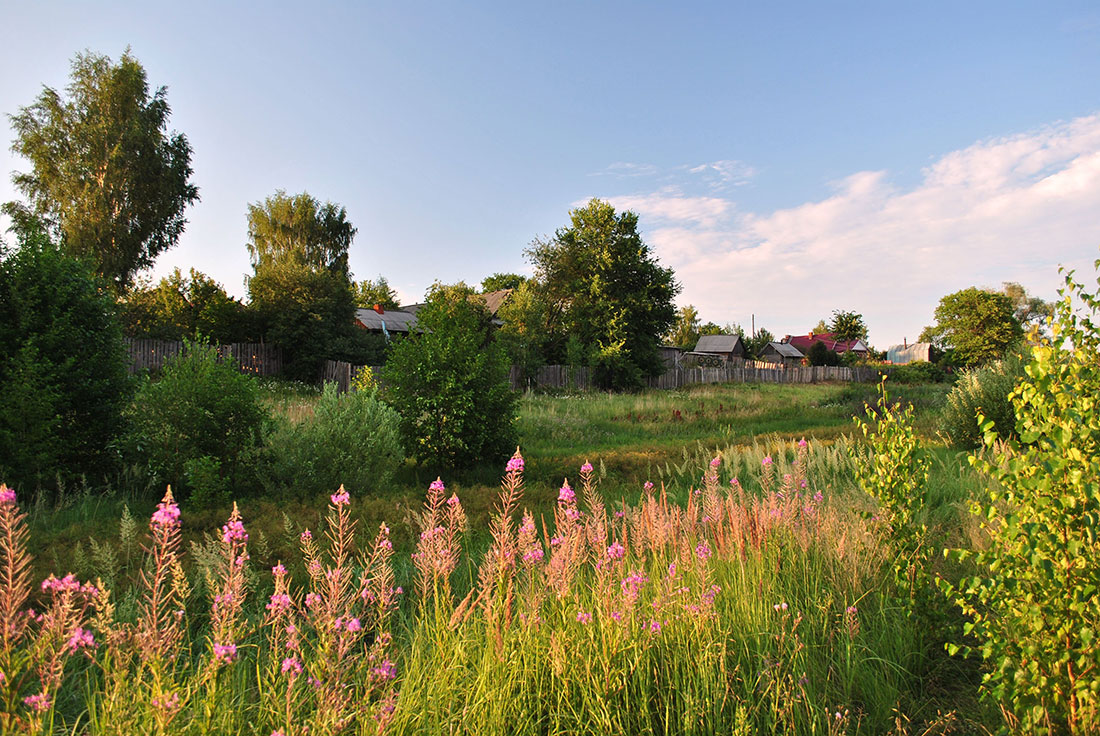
(811, 334)
(905, 342)
(378, 308)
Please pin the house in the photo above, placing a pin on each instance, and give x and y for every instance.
(805, 342)
(378, 320)
(781, 352)
(670, 356)
(906, 353)
(724, 347)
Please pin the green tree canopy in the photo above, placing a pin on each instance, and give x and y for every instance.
(848, 325)
(300, 289)
(182, 307)
(605, 288)
(108, 179)
(975, 325)
(686, 330)
(449, 383)
(499, 281)
(755, 345)
(63, 374)
(523, 335)
(1029, 310)
(368, 293)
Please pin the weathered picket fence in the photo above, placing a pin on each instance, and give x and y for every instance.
(255, 358)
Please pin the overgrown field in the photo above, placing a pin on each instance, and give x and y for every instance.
(704, 569)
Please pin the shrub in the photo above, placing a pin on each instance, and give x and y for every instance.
(818, 354)
(1033, 607)
(63, 370)
(918, 372)
(987, 390)
(202, 419)
(352, 439)
(449, 382)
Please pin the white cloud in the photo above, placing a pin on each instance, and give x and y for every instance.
(1005, 209)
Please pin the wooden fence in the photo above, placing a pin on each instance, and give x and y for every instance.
(255, 358)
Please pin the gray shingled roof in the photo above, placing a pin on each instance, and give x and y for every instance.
(717, 343)
(786, 350)
(395, 320)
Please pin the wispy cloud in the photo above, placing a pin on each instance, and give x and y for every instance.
(1010, 208)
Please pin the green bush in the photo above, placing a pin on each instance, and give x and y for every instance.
(449, 382)
(63, 382)
(984, 389)
(919, 372)
(352, 439)
(202, 419)
(1033, 609)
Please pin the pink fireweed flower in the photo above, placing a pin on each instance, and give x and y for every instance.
(354, 626)
(818, 498)
(166, 515)
(587, 467)
(566, 495)
(584, 617)
(340, 498)
(278, 571)
(716, 462)
(81, 639)
(279, 602)
(234, 532)
(802, 442)
(385, 671)
(453, 500)
(7, 495)
(67, 584)
(515, 464)
(780, 606)
(702, 551)
(277, 732)
(620, 514)
(169, 703)
(533, 556)
(616, 551)
(734, 482)
(226, 653)
(555, 541)
(292, 667)
(572, 514)
(766, 461)
(307, 535)
(617, 615)
(437, 485)
(312, 600)
(647, 486)
(654, 626)
(38, 703)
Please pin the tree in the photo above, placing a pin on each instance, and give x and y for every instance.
(449, 383)
(709, 328)
(64, 368)
(1030, 311)
(182, 307)
(848, 326)
(754, 346)
(108, 179)
(685, 331)
(605, 288)
(975, 325)
(368, 293)
(301, 289)
(819, 354)
(820, 328)
(523, 335)
(499, 281)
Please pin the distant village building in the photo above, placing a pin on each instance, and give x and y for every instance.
(781, 352)
(909, 353)
(805, 342)
(670, 356)
(723, 347)
(382, 322)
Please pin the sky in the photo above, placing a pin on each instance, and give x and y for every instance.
(785, 159)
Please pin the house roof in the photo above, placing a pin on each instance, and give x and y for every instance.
(786, 350)
(495, 299)
(805, 342)
(717, 344)
(395, 320)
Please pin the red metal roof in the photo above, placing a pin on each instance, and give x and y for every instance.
(805, 342)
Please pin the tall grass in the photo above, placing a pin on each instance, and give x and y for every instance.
(754, 604)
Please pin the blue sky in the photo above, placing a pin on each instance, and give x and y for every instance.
(786, 159)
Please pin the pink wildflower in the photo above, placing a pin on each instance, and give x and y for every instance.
(166, 515)
(647, 486)
(81, 639)
(226, 653)
(437, 485)
(584, 617)
(716, 462)
(340, 498)
(385, 671)
(515, 464)
(292, 666)
(312, 600)
(307, 535)
(278, 571)
(616, 551)
(780, 606)
(279, 602)
(702, 550)
(616, 615)
(453, 500)
(566, 495)
(620, 514)
(234, 532)
(354, 626)
(587, 467)
(38, 703)
(533, 556)
(7, 495)
(766, 461)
